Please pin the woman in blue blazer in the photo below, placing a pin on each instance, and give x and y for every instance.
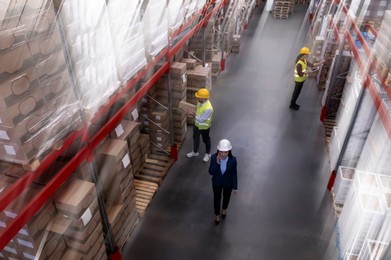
(223, 168)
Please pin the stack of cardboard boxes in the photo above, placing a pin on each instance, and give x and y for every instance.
(178, 87)
(199, 77)
(27, 242)
(236, 43)
(78, 221)
(129, 132)
(116, 177)
(37, 103)
(197, 43)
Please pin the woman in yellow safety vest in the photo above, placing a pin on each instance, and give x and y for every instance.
(301, 73)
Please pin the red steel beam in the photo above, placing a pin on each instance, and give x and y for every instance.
(371, 29)
(384, 114)
(40, 199)
(23, 182)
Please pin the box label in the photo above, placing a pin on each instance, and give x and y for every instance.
(10, 214)
(25, 243)
(9, 149)
(135, 114)
(119, 130)
(126, 161)
(86, 217)
(4, 135)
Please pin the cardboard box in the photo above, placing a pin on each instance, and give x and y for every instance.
(75, 198)
(24, 108)
(80, 223)
(159, 115)
(178, 68)
(85, 247)
(37, 223)
(71, 254)
(45, 44)
(29, 247)
(187, 107)
(190, 63)
(54, 63)
(125, 130)
(6, 181)
(82, 234)
(16, 86)
(113, 154)
(15, 58)
(54, 246)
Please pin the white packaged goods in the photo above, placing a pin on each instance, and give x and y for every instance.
(155, 27)
(87, 31)
(176, 14)
(343, 183)
(127, 35)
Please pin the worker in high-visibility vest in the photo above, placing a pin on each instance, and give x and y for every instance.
(301, 73)
(202, 123)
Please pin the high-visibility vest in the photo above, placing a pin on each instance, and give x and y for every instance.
(200, 109)
(303, 69)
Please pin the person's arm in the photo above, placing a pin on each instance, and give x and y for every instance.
(204, 116)
(315, 64)
(299, 69)
(213, 166)
(235, 176)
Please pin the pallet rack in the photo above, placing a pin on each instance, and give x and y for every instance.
(368, 82)
(348, 34)
(86, 153)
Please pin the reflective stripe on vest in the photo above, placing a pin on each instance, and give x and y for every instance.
(303, 69)
(200, 109)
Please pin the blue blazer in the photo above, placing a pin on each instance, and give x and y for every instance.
(230, 177)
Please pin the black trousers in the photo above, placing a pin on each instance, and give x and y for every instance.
(296, 92)
(205, 138)
(217, 190)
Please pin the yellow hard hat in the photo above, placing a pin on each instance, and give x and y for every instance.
(202, 93)
(305, 50)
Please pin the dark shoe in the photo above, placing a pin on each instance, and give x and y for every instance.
(294, 107)
(224, 213)
(217, 219)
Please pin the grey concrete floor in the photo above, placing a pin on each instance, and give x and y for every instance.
(282, 209)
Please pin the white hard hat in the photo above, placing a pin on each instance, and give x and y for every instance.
(224, 145)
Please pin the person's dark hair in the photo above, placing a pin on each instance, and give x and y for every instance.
(229, 153)
(299, 57)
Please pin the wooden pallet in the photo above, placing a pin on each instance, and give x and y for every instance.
(155, 168)
(145, 191)
(336, 206)
(329, 125)
(280, 16)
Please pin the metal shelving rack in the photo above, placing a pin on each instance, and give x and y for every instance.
(86, 152)
(364, 67)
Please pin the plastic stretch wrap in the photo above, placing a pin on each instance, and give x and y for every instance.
(87, 31)
(127, 35)
(176, 14)
(193, 6)
(377, 151)
(155, 25)
(38, 106)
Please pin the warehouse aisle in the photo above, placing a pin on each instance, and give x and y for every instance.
(282, 207)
